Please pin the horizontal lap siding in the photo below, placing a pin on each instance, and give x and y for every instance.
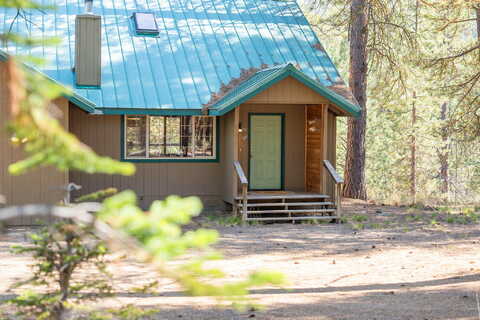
(153, 180)
(229, 155)
(41, 185)
(314, 152)
(331, 149)
(288, 91)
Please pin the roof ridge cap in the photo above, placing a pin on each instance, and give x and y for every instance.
(278, 66)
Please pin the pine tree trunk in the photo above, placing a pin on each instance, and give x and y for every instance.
(443, 152)
(477, 10)
(413, 154)
(355, 159)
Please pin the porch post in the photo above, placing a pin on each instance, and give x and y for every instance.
(236, 123)
(323, 183)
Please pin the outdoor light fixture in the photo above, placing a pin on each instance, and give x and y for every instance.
(240, 127)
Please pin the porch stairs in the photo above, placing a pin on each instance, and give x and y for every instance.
(285, 206)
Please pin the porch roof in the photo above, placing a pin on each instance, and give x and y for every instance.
(263, 79)
(202, 46)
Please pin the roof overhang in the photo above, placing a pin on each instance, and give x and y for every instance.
(264, 79)
(69, 94)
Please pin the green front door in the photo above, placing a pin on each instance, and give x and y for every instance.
(266, 152)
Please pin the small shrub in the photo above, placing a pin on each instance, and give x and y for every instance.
(359, 218)
(98, 195)
(225, 220)
(60, 250)
(467, 211)
(444, 209)
(358, 226)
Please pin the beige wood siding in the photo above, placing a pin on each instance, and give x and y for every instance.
(153, 180)
(294, 140)
(331, 149)
(288, 91)
(321, 134)
(313, 149)
(41, 185)
(229, 153)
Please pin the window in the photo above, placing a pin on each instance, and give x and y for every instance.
(145, 23)
(170, 137)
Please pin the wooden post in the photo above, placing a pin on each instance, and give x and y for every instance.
(244, 182)
(245, 201)
(235, 207)
(323, 183)
(338, 201)
(236, 122)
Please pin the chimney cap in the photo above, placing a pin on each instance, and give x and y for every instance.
(88, 6)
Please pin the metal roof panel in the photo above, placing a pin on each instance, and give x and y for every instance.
(202, 45)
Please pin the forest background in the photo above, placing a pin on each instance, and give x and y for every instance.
(422, 98)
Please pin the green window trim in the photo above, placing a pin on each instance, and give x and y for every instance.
(216, 147)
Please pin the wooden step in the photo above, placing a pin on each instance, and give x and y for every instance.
(284, 196)
(292, 211)
(289, 204)
(293, 218)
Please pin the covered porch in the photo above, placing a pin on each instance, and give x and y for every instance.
(279, 129)
(280, 161)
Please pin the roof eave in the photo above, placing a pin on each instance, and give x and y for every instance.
(70, 95)
(290, 70)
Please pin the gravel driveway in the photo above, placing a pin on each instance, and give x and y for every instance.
(334, 272)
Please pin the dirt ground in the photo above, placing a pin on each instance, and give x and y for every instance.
(383, 263)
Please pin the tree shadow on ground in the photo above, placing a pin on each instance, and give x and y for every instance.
(332, 239)
(376, 303)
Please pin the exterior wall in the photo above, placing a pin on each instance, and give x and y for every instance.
(213, 182)
(314, 148)
(288, 91)
(331, 149)
(229, 154)
(41, 185)
(153, 180)
(294, 140)
(321, 133)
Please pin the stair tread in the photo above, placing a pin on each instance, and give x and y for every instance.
(294, 218)
(283, 196)
(290, 204)
(292, 211)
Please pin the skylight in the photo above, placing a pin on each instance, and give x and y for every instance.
(145, 23)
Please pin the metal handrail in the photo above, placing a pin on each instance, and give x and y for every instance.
(244, 181)
(333, 173)
(338, 180)
(240, 173)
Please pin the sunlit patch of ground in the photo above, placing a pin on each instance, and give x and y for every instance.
(392, 267)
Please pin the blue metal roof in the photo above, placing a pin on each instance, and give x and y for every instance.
(201, 46)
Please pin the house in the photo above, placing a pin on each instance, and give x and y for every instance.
(214, 98)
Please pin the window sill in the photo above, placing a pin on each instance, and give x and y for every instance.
(169, 160)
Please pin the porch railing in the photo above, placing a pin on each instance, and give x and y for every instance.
(244, 182)
(338, 181)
